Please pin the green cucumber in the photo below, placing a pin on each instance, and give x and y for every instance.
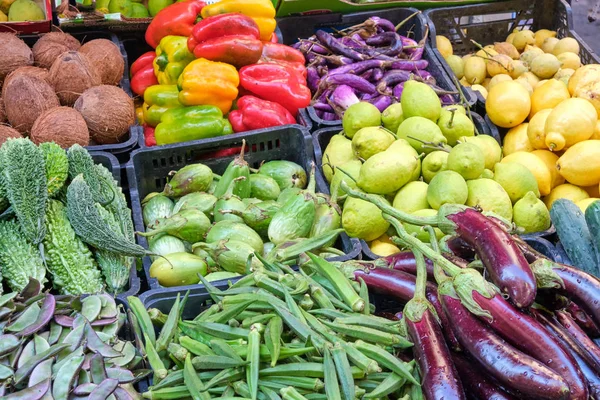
(592, 217)
(575, 235)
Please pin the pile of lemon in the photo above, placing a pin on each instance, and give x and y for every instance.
(535, 85)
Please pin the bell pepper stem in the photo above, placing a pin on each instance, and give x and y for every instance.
(400, 215)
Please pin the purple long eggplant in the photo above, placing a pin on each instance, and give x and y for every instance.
(381, 23)
(381, 102)
(343, 96)
(354, 81)
(520, 330)
(579, 286)
(360, 67)
(409, 65)
(392, 40)
(583, 319)
(589, 349)
(460, 248)
(566, 341)
(500, 255)
(402, 285)
(398, 89)
(512, 368)
(475, 383)
(328, 41)
(312, 78)
(392, 78)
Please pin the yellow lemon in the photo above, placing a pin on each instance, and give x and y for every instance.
(548, 95)
(463, 81)
(497, 79)
(531, 78)
(523, 38)
(508, 104)
(596, 134)
(507, 48)
(591, 93)
(566, 45)
(545, 65)
(481, 90)
(385, 238)
(536, 129)
(550, 159)
(485, 83)
(517, 68)
(543, 34)
(549, 44)
(563, 75)
(580, 165)
(569, 60)
(499, 64)
(486, 53)
(571, 121)
(510, 37)
(592, 191)
(383, 249)
(584, 76)
(565, 191)
(525, 83)
(475, 70)
(584, 204)
(536, 166)
(516, 140)
(528, 55)
(444, 45)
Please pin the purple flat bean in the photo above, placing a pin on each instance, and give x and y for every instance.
(122, 394)
(103, 390)
(45, 315)
(34, 392)
(64, 320)
(409, 65)
(337, 47)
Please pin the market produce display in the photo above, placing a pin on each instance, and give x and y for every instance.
(539, 90)
(368, 62)
(21, 10)
(207, 224)
(278, 333)
(64, 92)
(55, 204)
(220, 75)
(65, 347)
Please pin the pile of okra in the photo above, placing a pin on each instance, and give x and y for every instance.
(278, 334)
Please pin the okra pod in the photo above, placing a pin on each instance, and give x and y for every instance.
(364, 294)
(306, 303)
(389, 385)
(268, 284)
(299, 382)
(225, 376)
(228, 313)
(215, 308)
(332, 389)
(331, 314)
(222, 348)
(289, 393)
(269, 394)
(360, 360)
(253, 360)
(195, 347)
(156, 363)
(193, 382)
(273, 338)
(142, 317)
(344, 373)
(157, 317)
(369, 334)
(386, 360)
(190, 329)
(169, 328)
(177, 351)
(320, 298)
(222, 330)
(261, 318)
(293, 307)
(215, 362)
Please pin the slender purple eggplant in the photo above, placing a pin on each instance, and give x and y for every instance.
(397, 91)
(439, 378)
(402, 285)
(409, 65)
(381, 102)
(476, 384)
(343, 96)
(360, 67)
(328, 41)
(589, 349)
(392, 40)
(381, 23)
(583, 319)
(312, 78)
(459, 247)
(568, 344)
(512, 368)
(500, 255)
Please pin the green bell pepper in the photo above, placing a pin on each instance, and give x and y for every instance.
(157, 100)
(172, 56)
(191, 123)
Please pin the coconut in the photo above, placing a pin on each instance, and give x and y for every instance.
(25, 98)
(47, 49)
(2, 111)
(106, 60)
(108, 112)
(36, 72)
(63, 125)
(6, 132)
(15, 53)
(70, 75)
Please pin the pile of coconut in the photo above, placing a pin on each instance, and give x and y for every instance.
(63, 91)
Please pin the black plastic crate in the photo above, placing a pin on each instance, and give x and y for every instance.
(148, 169)
(111, 163)
(501, 18)
(302, 27)
(134, 131)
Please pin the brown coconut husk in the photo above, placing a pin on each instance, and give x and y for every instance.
(108, 112)
(63, 125)
(2, 112)
(47, 49)
(25, 98)
(6, 132)
(106, 60)
(36, 72)
(14, 53)
(70, 76)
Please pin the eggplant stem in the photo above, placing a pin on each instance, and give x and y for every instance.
(414, 243)
(406, 20)
(463, 100)
(438, 272)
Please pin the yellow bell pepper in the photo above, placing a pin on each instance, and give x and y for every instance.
(261, 11)
(208, 82)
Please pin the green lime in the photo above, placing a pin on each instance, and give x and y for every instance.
(418, 231)
(411, 197)
(419, 100)
(488, 195)
(358, 116)
(516, 179)
(467, 160)
(492, 152)
(455, 125)
(447, 187)
(363, 220)
(392, 117)
(433, 163)
(531, 214)
(419, 131)
(371, 140)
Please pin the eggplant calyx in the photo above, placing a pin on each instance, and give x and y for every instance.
(545, 276)
(469, 280)
(416, 308)
(445, 222)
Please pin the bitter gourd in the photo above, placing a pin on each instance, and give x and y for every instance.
(91, 227)
(70, 262)
(115, 267)
(19, 259)
(118, 206)
(57, 167)
(24, 179)
(80, 162)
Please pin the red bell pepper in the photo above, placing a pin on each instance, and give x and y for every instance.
(142, 73)
(277, 83)
(274, 38)
(231, 38)
(255, 113)
(149, 138)
(284, 55)
(177, 19)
